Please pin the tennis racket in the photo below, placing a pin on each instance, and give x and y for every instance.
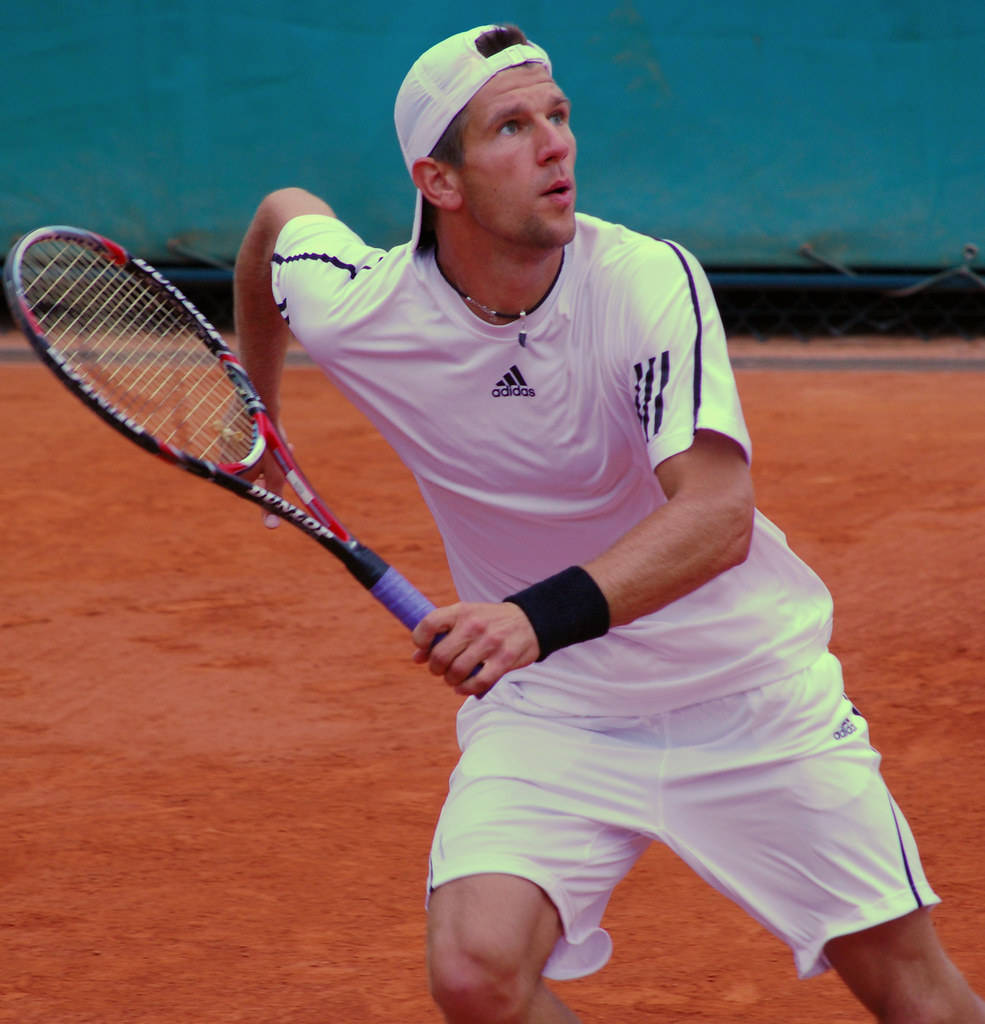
(126, 342)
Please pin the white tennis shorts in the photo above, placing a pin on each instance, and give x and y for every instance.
(773, 796)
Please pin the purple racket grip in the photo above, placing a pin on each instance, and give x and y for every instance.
(405, 601)
(402, 598)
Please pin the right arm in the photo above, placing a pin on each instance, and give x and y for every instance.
(262, 333)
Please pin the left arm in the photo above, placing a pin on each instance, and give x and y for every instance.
(704, 529)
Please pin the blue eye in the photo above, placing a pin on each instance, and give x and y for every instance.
(510, 128)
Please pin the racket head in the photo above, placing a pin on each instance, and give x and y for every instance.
(128, 343)
(132, 347)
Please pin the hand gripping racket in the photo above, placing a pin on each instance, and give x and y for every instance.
(140, 355)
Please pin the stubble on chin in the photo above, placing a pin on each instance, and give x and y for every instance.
(540, 234)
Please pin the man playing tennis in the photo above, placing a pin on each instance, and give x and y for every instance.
(653, 656)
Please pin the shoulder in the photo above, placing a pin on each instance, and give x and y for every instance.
(322, 268)
(319, 239)
(628, 265)
(322, 253)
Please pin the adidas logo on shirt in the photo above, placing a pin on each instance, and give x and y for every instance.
(512, 385)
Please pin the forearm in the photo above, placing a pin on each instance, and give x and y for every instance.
(704, 529)
(261, 332)
(674, 551)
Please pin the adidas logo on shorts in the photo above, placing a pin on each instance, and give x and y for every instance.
(512, 385)
(844, 730)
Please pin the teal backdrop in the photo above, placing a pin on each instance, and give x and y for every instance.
(744, 129)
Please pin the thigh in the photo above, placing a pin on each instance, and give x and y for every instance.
(545, 804)
(785, 812)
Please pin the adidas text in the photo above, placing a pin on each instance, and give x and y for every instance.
(846, 728)
(513, 392)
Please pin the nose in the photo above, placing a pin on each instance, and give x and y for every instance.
(555, 142)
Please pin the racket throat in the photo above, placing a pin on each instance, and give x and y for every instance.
(364, 563)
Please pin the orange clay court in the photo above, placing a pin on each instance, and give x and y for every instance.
(220, 770)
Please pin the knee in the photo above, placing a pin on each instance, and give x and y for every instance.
(477, 985)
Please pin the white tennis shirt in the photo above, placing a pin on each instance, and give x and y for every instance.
(534, 445)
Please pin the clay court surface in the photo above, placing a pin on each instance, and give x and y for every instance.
(220, 770)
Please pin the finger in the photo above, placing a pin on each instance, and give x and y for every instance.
(463, 671)
(270, 521)
(474, 686)
(436, 623)
(279, 427)
(480, 666)
(445, 651)
(274, 479)
(422, 655)
(478, 682)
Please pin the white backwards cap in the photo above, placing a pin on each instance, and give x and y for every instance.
(440, 84)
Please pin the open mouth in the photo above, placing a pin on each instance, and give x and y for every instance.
(561, 188)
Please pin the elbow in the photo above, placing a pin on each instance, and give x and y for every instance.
(741, 519)
(274, 211)
(742, 545)
(278, 207)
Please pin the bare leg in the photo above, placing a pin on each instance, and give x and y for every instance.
(546, 1008)
(900, 972)
(489, 937)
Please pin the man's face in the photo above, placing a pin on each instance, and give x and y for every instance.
(518, 180)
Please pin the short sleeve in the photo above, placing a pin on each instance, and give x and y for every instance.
(675, 357)
(315, 262)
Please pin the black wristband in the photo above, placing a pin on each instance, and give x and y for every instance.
(564, 609)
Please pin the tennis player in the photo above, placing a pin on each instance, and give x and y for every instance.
(653, 657)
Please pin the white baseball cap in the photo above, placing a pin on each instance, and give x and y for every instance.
(440, 85)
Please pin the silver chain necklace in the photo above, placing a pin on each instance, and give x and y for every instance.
(491, 312)
(495, 312)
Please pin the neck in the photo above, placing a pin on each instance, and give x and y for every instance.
(499, 290)
(495, 316)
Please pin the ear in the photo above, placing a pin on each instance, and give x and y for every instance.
(438, 182)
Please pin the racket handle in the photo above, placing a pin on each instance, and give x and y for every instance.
(401, 598)
(404, 600)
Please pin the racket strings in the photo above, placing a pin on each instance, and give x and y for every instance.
(138, 349)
